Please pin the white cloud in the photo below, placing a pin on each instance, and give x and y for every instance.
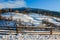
(12, 4)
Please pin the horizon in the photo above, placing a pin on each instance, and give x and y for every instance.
(52, 5)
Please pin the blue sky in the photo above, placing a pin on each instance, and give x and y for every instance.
(12, 3)
(53, 5)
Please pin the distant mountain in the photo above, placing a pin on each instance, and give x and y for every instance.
(35, 10)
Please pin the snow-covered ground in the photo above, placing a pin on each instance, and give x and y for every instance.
(29, 37)
(32, 18)
(29, 19)
(8, 23)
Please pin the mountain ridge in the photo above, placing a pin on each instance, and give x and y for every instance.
(35, 10)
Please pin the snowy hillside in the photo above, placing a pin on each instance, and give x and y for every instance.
(32, 18)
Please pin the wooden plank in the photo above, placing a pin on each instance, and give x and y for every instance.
(51, 31)
(34, 27)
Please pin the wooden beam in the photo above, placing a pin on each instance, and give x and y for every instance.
(50, 31)
(17, 30)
